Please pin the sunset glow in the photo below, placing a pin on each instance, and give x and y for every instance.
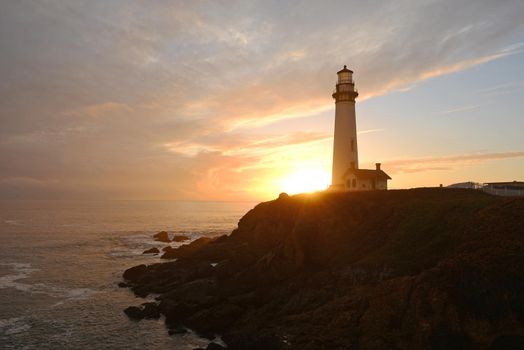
(193, 101)
(305, 180)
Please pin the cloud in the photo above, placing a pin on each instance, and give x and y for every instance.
(458, 109)
(369, 131)
(242, 146)
(100, 110)
(115, 100)
(425, 164)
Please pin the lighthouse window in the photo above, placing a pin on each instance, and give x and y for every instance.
(354, 182)
(352, 145)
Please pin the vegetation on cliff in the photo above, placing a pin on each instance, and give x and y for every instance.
(424, 269)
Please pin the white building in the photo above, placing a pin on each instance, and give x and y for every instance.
(346, 175)
(509, 189)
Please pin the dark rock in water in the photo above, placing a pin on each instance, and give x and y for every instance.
(134, 312)
(135, 273)
(177, 330)
(180, 238)
(150, 311)
(162, 236)
(406, 269)
(166, 248)
(147, 311)
(123, 285)
(151, 251)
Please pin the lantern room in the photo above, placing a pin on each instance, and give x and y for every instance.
(345, 76)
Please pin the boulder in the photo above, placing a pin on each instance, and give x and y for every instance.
(134, 312)
(283, 196)
(177, 330)
(166, 248)
(162, 236)
(215, 346)
(150, 311)
(151, 251)
(180, 238)
(147, 311)
(135, 273)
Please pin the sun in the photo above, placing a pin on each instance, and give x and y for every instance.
(305, 180)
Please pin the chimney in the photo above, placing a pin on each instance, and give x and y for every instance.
(377, 165)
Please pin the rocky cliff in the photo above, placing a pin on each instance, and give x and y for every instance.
(410, 269)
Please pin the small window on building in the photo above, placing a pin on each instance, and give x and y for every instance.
(354, 182)
(352, 165)
(352, 145)
(348, 183)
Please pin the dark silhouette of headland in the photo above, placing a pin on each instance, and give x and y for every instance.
(408, 269)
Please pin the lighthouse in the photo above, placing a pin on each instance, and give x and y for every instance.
(345, 149)
(346, 175)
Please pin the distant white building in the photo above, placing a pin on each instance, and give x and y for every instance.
(346, 175)
(467, 185)
(511, 188)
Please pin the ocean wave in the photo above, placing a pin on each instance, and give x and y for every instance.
(12, 222)
(15, 325)
(135, 244)
(24, 270)
(21, 271)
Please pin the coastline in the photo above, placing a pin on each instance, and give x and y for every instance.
(419, 268)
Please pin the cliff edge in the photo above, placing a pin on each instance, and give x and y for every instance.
(407, 269)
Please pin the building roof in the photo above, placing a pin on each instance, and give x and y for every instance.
(367, 174)
(345, 69)
(506, 183)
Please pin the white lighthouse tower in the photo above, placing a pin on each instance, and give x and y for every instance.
(346, 174)
(345, 150)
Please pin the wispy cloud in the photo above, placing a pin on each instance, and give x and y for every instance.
(424, 164)
(247, 146)
(458, 109)
(173, 99)
(369, 131)
(516, 86)
(99, 110)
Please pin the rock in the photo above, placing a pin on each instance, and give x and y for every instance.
(162, 236)
(187, 250)
(134, 313)
(166, 248)
(283, 196)
(151, 251)
(214, 346)
(147, 311)
(177, 330)
(123, 285)
(508, 342)
(135, 273)
(180, 238)
(150, 311)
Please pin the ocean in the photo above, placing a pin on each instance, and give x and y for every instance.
(61, 261)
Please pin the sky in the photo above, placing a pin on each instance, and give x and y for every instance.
(231, 100)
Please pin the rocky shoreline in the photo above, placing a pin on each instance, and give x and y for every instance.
(410, 269)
